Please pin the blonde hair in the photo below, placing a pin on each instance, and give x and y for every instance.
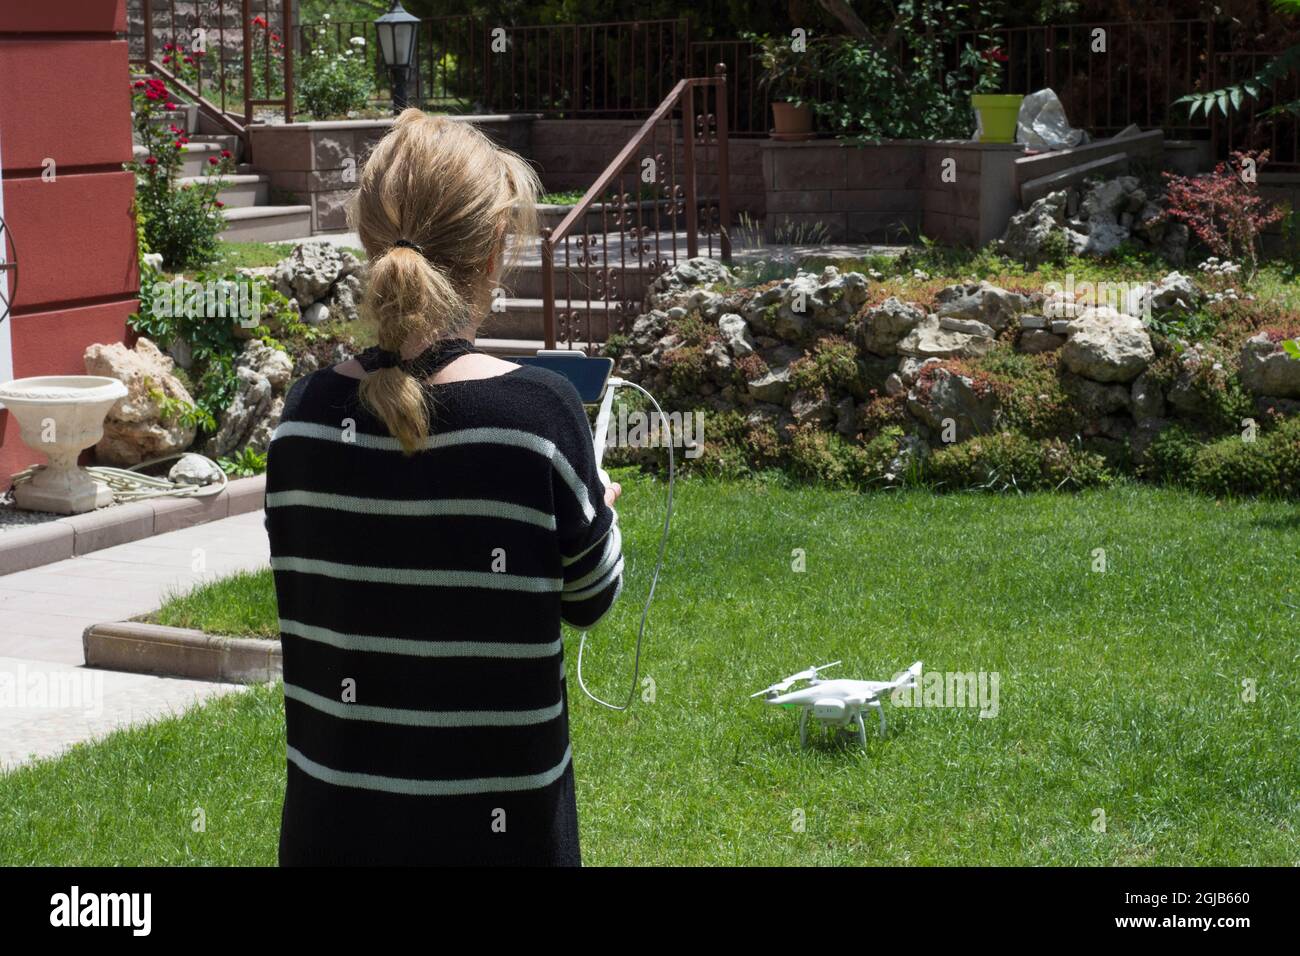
(444, 186)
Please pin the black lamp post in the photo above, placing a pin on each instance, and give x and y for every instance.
(397, 33)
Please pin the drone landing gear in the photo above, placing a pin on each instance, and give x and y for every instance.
(855, 722)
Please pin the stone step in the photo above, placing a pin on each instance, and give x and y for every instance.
(240, 190)
(524, 319)
(629, 282)
(196, 157)
(266, 223)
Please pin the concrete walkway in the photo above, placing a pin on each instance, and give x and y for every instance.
(48, 700)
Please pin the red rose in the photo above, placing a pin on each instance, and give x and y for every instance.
(171, 105)
(220, 204)
(225, 154)
(151, 161)
(212, 160)
(167, 59)
(189, 59)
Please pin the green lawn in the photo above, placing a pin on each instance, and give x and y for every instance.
(1119, 691)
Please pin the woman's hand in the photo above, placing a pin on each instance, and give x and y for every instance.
(612, 491)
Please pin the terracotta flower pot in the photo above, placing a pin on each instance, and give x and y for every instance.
(791, 121)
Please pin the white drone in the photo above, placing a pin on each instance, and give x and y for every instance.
(836, 703)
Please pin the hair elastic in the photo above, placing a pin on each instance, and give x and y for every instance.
(408, 244)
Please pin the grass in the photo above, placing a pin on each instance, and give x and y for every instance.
(252, 255)
(1120, 691)
(243, 604)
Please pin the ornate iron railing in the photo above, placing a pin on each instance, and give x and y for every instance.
(247, 61)
(664, 192)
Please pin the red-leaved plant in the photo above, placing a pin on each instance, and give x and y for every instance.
(1224, 209)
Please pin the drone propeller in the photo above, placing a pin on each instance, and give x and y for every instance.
(783, 685)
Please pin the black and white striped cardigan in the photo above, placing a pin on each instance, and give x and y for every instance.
(420, 601)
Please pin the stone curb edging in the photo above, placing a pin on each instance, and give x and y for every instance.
(142, 648)
(80, 534)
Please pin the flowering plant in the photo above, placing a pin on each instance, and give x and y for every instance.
(180, 220)
(335, 82)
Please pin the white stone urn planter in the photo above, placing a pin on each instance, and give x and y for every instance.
(60, 415)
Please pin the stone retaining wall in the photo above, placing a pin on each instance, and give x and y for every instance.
(317, 164)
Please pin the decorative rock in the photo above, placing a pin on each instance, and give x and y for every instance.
(735, 332)
(984, 302)
(942, 395)
(928, 340)
(135, 429)
(894, 386)
(1028, 232)
(194, 469)
(881, 327)
(1146, 400)
(316, 313)
(1033, 322)
(309, 272)
(686, 275)
(812, 406)
(1174, 296)
(910, 368)
(262, 374)
(772, 386)
(1107, 346)
(1267, 370)
(969, 326)
(649, 328)
(1095, 399)
(846, 417)
(1036, 341)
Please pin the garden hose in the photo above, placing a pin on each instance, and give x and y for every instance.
(128, 484)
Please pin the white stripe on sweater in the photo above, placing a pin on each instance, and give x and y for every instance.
(421, 577)
(420, 648)
(423, 718)
(615, 572)
(463, 436)
(613, 549)
(427, 507)
(429, 788)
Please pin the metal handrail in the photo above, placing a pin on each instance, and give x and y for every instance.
(214, 111)
(682, 94)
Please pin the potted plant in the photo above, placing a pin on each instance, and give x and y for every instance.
(996, 114)
(787, 75)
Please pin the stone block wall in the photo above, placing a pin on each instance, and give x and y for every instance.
(317, 164)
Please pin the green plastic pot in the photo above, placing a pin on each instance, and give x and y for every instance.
(997, 116)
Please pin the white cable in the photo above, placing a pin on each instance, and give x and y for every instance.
(659, 563)
(130, 485)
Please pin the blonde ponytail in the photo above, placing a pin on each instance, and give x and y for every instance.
(444, 188)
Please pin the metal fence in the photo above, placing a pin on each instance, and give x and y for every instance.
(1108, 74)
(230, 56)
(1113, 74)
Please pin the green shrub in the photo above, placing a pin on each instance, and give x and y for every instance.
(1009, 460)
(333, 83)
(1230, 465)
(1030, 396)
(833, 365)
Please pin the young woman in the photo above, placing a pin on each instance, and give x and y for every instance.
(434, 513)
